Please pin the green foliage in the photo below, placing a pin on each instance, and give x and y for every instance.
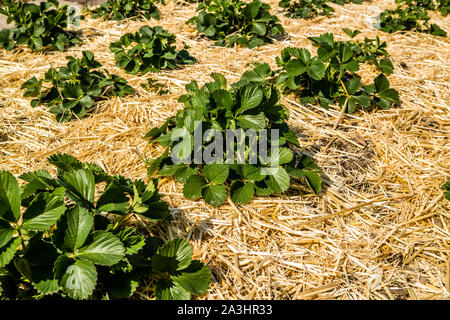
(305, 9)
(331, 76)
(43, 26)
(149, 49)
(57, 240)
(446, 188)
(154, 86)
(74, 89)
(124, 9)
(369, 50)
(408, 16)
(186, 2)
(236, 22)
(342, 2)
(251, 103)
(443, 6)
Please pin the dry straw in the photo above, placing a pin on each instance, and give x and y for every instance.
(379, 231)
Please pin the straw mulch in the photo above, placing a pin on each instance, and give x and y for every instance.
(380, 230)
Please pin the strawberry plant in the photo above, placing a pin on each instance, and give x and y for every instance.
(236, 22)
(74, 89)
(408, 17)
(149, 49)
(305, 9)
(331, 76)
(446, 188)
(184, 2)
(124, 9)
(214, 111)
(58, 239)
(43, 26)
(154, 86)
(370, 50)
(342, 2)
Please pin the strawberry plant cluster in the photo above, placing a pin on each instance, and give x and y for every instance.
(305, 9)
(43, 26)
(232, 22)
(58, 239)
(125, 9)
(331, 76)
(210, 111)
(149, 49)
(74, 89)
(443, 6)
(409, 15)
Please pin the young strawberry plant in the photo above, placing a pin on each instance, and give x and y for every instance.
(408, 17)
(74, 89)
(331, 76)
(44, 26)
(370, 50)
(149, 49)
(154, 86)
(186, 2)
(216, 167)
(58, 239)
(446, 188)
(236, 22)
(124, 9)
(305, 9)
(342, 2)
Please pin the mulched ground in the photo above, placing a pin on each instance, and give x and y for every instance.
(380, 229)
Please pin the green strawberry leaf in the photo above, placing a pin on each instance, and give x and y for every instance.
(104, 249)
(193, 187)
(242, 192)
(214, 195)
(9, 197)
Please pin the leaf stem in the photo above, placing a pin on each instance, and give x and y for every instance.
(123, 219)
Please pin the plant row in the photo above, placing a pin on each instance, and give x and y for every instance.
(253, 103)
(328, 78)
(228, 22)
